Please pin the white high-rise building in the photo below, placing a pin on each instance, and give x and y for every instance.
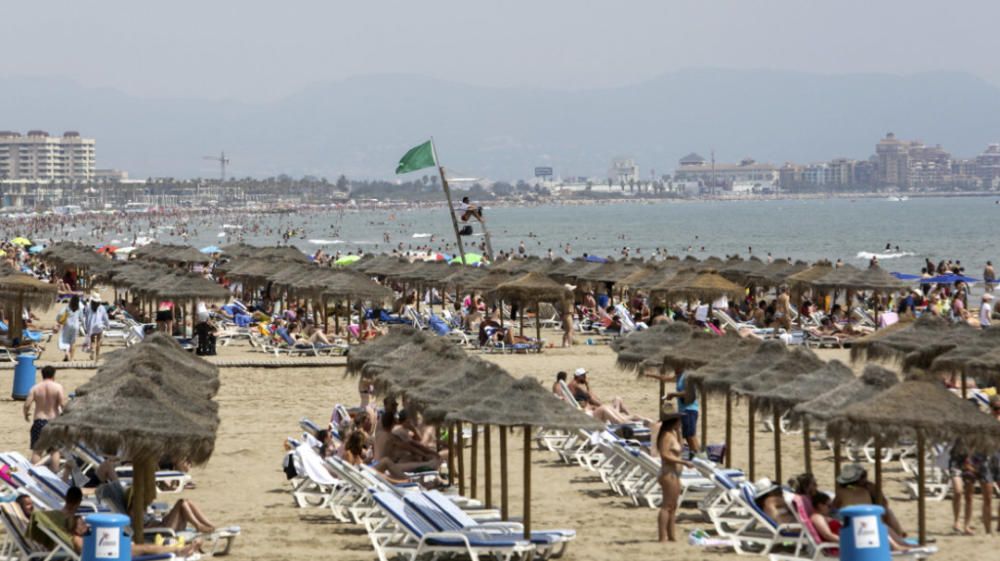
(40, 157)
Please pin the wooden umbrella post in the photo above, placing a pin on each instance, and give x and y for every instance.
(474, 461)
(806, 445)
(878, 465)
(451, 454)
(488, 465)
(750, 443)
(704, 417)
(538, 323)
(921, 489)
(729, 429)
(776, 419)
(527, 483)
(459, 435)
(836, 457)
(137, 509)
(663, 389)
(503, 474)
(520, 318)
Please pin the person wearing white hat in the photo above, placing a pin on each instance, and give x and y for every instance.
(986, 311)
(95, 321)
(613, 412)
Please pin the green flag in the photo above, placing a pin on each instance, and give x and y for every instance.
(418, 157)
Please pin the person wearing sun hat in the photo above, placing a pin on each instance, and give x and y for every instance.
(768, 496)
(853, 488)
(669, 445)
(95, 321)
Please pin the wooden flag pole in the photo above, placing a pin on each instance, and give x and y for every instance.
(451, 208)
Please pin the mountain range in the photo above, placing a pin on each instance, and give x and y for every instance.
(361, 126)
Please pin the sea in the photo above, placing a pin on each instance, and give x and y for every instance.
(900, 233)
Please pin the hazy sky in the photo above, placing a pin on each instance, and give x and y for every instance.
(258, 50)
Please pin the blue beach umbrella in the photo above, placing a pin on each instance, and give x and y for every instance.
(905, 276)
(210, 249)
(36, 249)
(948, 279)
(596, 259)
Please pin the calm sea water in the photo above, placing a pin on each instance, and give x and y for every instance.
(852, 230)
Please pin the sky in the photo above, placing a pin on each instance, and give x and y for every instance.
(254, 50)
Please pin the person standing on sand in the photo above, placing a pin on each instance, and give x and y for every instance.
(668, 445)
(783, 310)
(49, 398)
(69, 327)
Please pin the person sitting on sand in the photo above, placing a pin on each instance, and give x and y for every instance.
(853, 488)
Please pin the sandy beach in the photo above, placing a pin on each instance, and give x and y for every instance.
(243, 484)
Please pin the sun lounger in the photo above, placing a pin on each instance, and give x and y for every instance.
(16, 543)
(167, 481)
(42, 523)
(760, 533)
(445, 517)
(405, 532)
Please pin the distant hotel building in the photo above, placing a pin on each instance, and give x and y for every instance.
(40, 157)
(748, 175)
(623, 171)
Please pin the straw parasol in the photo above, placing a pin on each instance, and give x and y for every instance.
(916, 343)
(925, 410)
(533, 288)
(526, 403)
(18, 290)
(873, 380)
(638, 346)
(793, 364)
(781, 398)
(706, 285)
(145, 408)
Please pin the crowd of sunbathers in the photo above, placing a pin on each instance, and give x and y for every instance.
(852, 487)
(393, 440)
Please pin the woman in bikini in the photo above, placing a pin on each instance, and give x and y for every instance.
(668, 444)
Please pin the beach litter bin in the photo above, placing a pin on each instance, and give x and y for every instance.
(863, 535)
(24, 376)
(107, 539)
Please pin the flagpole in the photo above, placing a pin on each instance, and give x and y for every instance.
(447, 194)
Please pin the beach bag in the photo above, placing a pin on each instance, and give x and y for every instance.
(288, 466)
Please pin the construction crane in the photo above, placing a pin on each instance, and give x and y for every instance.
(223, 161)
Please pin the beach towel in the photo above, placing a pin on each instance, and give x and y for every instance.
(438, 325)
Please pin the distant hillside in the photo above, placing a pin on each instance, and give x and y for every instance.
(361, 126)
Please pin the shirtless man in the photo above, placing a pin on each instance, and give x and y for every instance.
(49, 399)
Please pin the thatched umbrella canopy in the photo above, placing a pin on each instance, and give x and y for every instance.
(825, 405)
(876, 278)
(398, 336)
(722, 380)
(186, 255)
(792, 365)
(342, 284)
(490, 282)
(27, 290)
(700, 349)
(284, 253)
(925, 410)
(525, 403)
(743, 349)
(837, 277)
(960, 359)
(772, 273)
(805, 277)
(188, 288)
(18, 290)
(639, 346)
(158, 353)
(637, 275)
(916, 343)
(780, 399)
(737, 270)
(533, 287)
(706, 285)
(407, 367)
(379, 265)
(146, 408)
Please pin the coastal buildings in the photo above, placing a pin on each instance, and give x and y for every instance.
(748, 175)
(623, 171)
(36, 156)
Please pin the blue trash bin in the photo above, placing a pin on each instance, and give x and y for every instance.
(24, 376)
(107, 538)
(863, 536)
